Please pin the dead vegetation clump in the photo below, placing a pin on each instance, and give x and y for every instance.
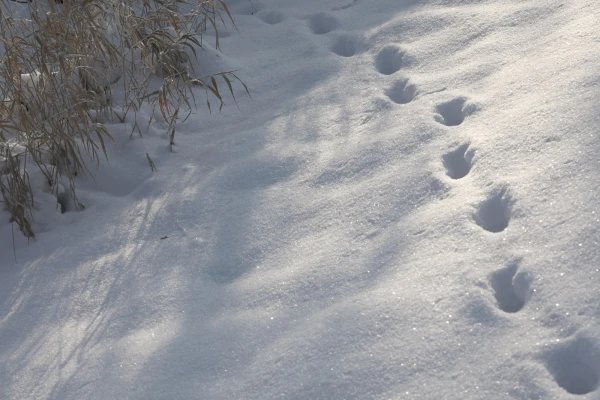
(60, 66)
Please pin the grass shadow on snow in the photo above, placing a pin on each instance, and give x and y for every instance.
(125, 299)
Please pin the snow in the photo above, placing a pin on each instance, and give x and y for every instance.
(406, 208)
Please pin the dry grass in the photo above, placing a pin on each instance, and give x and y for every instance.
(59, 67)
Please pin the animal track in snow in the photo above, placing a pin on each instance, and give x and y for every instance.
(494, 213)
(347, 45)
(458, 162)
(322, 23)
(453, 112)
(389, 59)
(511, 289)
(402, 92)
(272, 17)
(576, 366)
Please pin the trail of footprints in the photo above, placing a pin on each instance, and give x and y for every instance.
(575, 366)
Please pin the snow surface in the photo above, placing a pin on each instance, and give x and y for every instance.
(408, 207)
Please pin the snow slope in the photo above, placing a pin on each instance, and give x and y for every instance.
(407, 208)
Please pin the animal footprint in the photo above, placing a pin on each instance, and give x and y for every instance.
(511, 289)
(347, 45)
(272, 17)
(453, 112)
(576, 366)
(458, 162)
(390, 59)
(494, 213)
(322, 23)
(402, 92)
